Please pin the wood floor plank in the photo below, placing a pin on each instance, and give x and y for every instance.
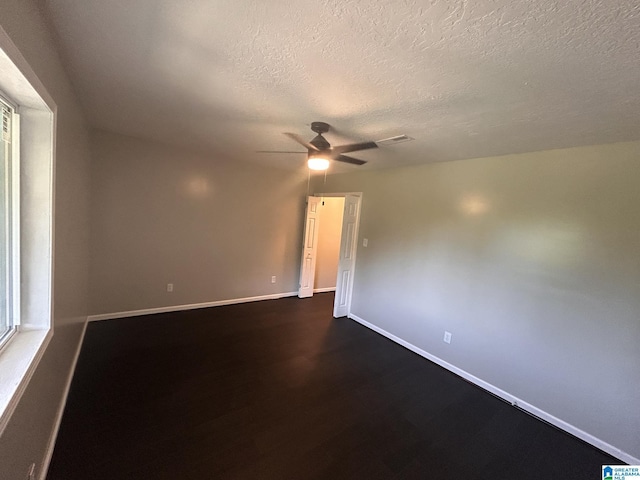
(280, 390)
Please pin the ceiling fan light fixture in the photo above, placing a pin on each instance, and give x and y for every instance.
(321, 153)
(318, 163)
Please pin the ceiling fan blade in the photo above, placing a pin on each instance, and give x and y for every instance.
(301, 141)
(351, 160)
(277, 151)
(354, 147)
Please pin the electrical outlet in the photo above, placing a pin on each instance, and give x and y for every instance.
(447, 337)
(273, 279)
(169, 287)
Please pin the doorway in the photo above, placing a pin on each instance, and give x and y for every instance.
(329, 247)
(329, 235)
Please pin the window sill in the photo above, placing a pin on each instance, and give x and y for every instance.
(18, 361)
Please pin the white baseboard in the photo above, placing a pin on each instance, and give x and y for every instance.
(191, 306)
(325, 289)
(596, 442)
(58, 419)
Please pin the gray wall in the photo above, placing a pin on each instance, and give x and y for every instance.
(25, 439)
(531, 261)
(217, 230)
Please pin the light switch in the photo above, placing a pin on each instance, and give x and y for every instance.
(365, 242)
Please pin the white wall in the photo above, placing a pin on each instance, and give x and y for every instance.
(29, 431)
(216, 230)
(532, 262)
(331, 211)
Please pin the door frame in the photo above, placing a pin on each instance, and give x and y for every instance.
(349, 292)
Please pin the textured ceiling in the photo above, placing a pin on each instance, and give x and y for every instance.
(465, 79)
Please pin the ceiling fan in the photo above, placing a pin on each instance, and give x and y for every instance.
(320, 152)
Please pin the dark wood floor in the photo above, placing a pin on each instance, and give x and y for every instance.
(281, 390)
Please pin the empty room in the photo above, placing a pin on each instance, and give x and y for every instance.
(319, 240)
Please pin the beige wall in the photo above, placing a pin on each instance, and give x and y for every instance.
(331, 211)
(26, 437)
(216, 230)
(531, 261)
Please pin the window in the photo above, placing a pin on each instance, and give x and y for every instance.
(7, 319)
(27, 166)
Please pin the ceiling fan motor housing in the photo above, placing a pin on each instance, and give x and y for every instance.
(320, 143)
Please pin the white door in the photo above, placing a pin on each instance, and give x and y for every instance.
(309, 247)
(347, 262)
